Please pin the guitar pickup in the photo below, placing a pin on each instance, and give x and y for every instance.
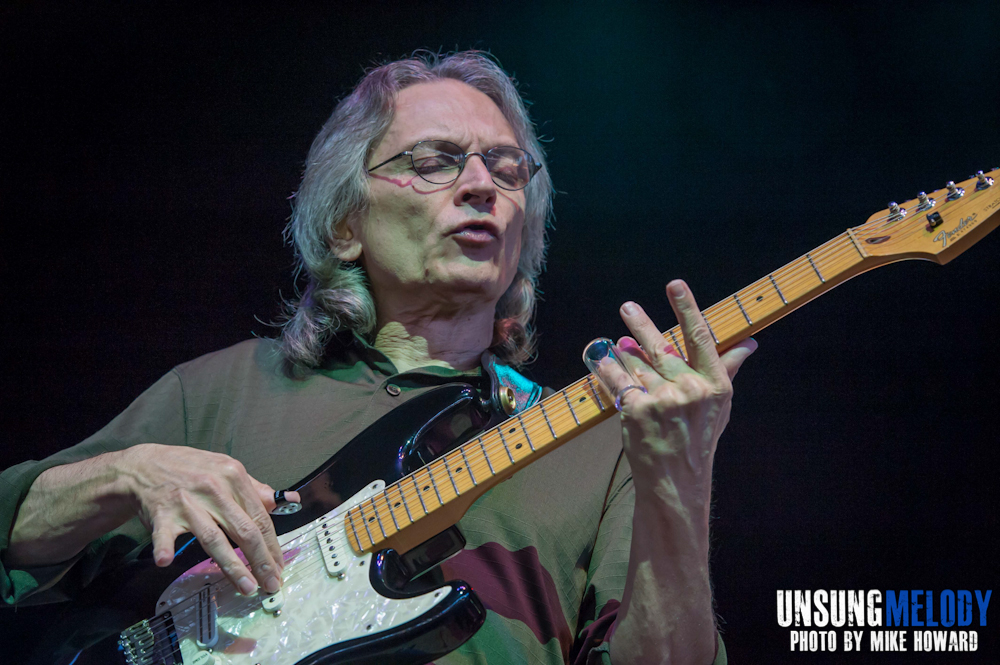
(208, 629)
(333, 550)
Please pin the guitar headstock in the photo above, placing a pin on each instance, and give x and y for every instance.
(938, 225)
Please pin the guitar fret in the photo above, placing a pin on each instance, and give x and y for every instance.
(451, 477)
(350, 520)
(780, 294)
(487, 456)
(832, 257)
(570, 405)
(818, 273)
(541, 406)
(377, 518)
(364, 522)
(385, 495)
(406, 506)
(597, 393)
(423, 505)
(710, 328)
(746, 316)
(856, 245)
(526, 435)
(677, 345)
(504, 442)
(430, 474)
(468, 466)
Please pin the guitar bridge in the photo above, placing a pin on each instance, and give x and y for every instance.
(152, 642)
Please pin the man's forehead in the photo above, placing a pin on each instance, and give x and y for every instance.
(448, 109)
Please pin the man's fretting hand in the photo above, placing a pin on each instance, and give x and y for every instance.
(672, 430)
(670, 434)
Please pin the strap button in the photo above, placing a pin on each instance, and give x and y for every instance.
(393, 389)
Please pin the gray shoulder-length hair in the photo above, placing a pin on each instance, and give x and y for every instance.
(335, 186)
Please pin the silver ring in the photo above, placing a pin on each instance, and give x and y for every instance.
(621, 394)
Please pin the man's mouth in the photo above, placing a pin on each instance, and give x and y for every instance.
(476, 233)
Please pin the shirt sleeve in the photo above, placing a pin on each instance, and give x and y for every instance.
(607, 573)
(156, 416)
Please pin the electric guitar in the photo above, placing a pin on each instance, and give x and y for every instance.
(353, 590)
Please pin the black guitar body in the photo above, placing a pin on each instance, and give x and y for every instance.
(404, 440)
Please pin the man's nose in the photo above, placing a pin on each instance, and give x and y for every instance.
(476, 181)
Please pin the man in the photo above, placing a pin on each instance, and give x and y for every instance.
(420, 223)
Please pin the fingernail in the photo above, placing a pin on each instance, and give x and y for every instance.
(246, 586)
(627, 344)
(272, 584)
(630, 308)
(676, 289)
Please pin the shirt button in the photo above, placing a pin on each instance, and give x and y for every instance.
(392, 389)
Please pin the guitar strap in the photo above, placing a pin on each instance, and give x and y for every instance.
(510, 392)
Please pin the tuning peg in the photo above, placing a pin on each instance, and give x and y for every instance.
(954, 192)
(982, 182)
(895, 212)
(924, 202)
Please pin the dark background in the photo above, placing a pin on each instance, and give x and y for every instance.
(149, 151)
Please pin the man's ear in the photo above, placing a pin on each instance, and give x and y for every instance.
(345, 243)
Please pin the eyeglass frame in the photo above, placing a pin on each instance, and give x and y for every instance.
(534, 166)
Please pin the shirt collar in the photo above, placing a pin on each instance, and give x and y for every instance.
(352, 358)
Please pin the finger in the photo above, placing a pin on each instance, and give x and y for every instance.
(613, 376)
(266, 494)
(734, 357)
(617, 381)
(216, 545)
(164, 536)
(252, 535)
(646, 374)
(698, 340)
(646, 333)
(267, 499)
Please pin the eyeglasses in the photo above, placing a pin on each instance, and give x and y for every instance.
(441, 162)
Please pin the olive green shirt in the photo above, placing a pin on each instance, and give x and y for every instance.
(547, 551)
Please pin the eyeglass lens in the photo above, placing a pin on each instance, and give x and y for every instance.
(440, 162)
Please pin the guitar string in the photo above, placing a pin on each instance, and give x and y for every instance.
(252, 602)
(433, 471)
(310, 565)
(828, 252)
(822, 253)
(901, 230)
(800, 272)
(833, 252)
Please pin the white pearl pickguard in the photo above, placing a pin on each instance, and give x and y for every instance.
(317, 608)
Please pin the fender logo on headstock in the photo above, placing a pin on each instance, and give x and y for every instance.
(944, 237)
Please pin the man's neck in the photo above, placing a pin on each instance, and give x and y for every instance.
(453, 342)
